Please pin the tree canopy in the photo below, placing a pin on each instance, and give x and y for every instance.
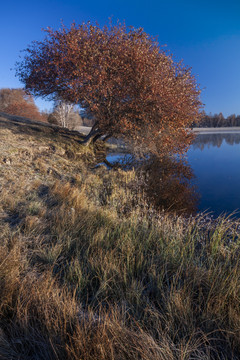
(119, 75)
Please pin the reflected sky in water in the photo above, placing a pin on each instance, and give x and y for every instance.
(215, 160)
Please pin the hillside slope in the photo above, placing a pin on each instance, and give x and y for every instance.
(89, 271)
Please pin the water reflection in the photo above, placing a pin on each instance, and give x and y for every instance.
(209, 181)
(215, 160)
(166, 182)
(168, 185)
(206, 140)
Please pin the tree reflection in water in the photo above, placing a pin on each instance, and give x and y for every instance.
(167, 184)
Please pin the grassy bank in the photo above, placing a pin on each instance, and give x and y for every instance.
(89, 271)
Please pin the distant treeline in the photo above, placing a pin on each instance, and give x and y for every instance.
(218, 120)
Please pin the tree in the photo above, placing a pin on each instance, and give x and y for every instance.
(18, 102)
(65, 115)
(121, 77)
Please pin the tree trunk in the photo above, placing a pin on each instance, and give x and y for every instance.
(94, 132)
(106, 137)
(96, 137)
(89, 138)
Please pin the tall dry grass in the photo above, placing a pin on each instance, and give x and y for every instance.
(81, 280)
(89, 271)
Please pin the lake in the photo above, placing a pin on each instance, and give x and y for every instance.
(215, 162)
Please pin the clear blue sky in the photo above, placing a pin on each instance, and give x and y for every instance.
(205, 34)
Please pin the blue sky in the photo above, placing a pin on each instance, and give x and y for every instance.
(204, 34)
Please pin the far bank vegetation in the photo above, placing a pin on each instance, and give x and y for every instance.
(217, 120)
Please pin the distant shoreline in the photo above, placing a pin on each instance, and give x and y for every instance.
(211, 130)
(116, 144)
(226, 130)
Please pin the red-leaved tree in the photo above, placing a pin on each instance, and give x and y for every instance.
(18, 102)
(122, 77)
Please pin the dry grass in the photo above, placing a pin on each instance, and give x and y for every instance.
(88, 271)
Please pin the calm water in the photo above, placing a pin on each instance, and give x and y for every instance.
(215, 162)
